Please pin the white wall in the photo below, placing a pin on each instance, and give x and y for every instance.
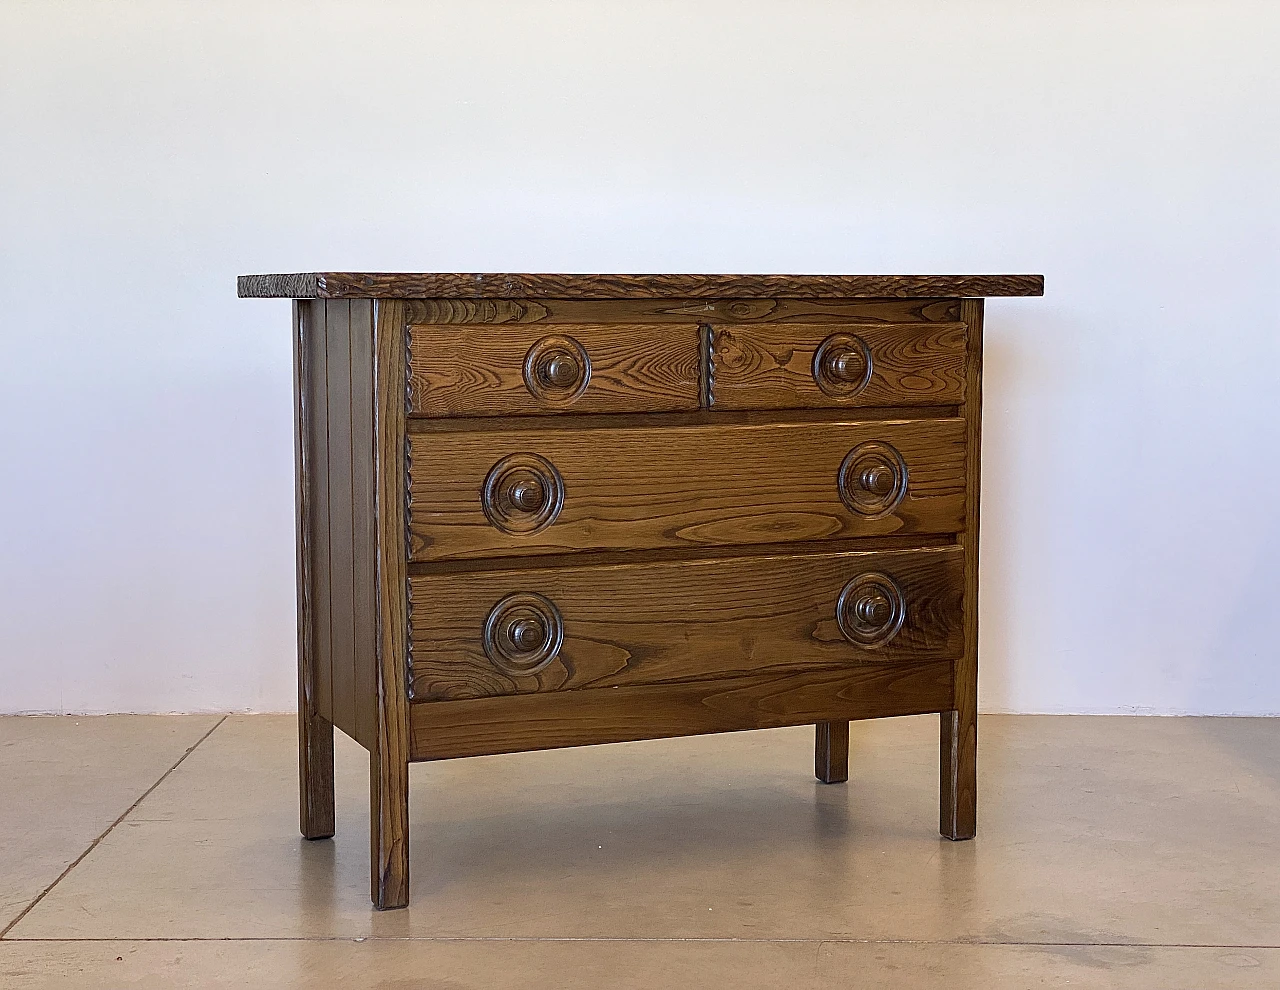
(152, 150)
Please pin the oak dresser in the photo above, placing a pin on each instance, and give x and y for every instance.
(554, 510)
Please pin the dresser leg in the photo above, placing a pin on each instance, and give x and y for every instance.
(831, 752)
(315, 775)
(958, 793)
(388, 832)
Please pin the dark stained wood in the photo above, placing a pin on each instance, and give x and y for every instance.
(699, 572)
(958, 742)
(439, 285)
(770, 366)
(650, 311)
(341, 515)
(315, 732)
(444, 730)
(389, 756)
(831, 752)
(651, 623)
(363, 524)
(478, 370)
(687, 486)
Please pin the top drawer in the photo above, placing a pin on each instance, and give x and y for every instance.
(835, 366)
(478, 370)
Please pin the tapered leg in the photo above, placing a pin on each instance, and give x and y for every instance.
(315, 775)
(959, 774)
(831, 752)
(388, 832)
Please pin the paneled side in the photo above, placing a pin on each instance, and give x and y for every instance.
(339, 342)
(314, 600)
(364, 524)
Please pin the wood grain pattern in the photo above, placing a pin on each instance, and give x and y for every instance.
(389, 756)
(958, 730)
(341, 515)
(439, 285)
(651, 623)
(476, 370)
(445, 730)
(315, 731)
(682, 486)
(831, 752)
(719, 311)
(770, 366)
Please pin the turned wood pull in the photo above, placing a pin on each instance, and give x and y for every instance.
(871, 610)
(557, 369)
(523, 493)
(527, 494)
(878, 480)
(872, 479)
(842, 365)
(523, 633)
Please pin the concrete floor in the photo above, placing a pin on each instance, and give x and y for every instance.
(159, 851)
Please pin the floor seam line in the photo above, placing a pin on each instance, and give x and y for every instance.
(824, 940)
(4, 933)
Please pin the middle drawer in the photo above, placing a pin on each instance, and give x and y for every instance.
(504, 493)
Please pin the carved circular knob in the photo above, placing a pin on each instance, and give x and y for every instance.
(878, 480)
(527, 494)
(523, 493)
(557, 369)
(872, 479)
(523, 633)
(842, 365)
(871, 610)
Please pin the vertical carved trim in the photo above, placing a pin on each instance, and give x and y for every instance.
(706, 366)
(408, 505)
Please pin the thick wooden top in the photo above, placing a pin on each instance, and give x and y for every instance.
(435, 285)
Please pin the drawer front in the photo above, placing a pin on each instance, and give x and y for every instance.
(792, 365)
(555, 629)
(477, 370)
(513, 492)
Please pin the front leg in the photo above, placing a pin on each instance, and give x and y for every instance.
(388, 831)
(831, 752)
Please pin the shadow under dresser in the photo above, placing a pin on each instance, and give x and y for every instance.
(555, 510)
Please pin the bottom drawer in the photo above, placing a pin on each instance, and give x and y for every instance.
(509, 632)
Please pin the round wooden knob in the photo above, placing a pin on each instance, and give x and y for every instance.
(845, 366)
(526, 635)
(878, 479)
(522, 494)
(842, 365)
(527, 494)
(523, 633)
(872, 479)
(871, 610)
(559, 369)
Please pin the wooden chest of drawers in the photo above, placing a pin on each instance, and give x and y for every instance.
(554, 510)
